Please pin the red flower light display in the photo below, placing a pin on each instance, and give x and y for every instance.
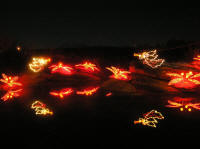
(60, 68)
(184, 80)
(88, 92)
(119, 74)
(40, 108)
(11, 94)
(10, 82)
(61, 94)
(183, 105)
(87, 66)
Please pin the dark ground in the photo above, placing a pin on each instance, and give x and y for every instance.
(96, 119)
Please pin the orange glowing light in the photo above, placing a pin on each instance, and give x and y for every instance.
(150, 58)
(184, 80)
(11, 94)
(108, 94)
(197, 58)
(40, 108)
(88, 92)
(150, 119)
(87, 66)
(38, 63)
(62, 93)
(60, 68)
(10, 81)
(118, 73)
(18, 48)
(183, 105)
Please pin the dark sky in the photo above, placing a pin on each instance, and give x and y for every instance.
(54, 24)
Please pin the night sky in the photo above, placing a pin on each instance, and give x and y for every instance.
(53, 24)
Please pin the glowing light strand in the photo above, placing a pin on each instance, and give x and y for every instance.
(61, 94)
(40, 108)
(150, 119)
(87, 92)
(38, 64)
(150, 58)
(11, 94)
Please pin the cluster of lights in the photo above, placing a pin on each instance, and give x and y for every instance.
(88, 67)
(11, 85)
(38, 63)
(87, 92)
(10, 81)
(150, 119)
(61, 68)
(150, 58)
(182, 105)
(40, 108)
(11, 94)
(62, 93)
(119, 74)
(184, 80)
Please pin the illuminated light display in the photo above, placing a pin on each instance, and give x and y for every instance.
(61, 94)
(108, 94)
(197, 58)
(150, 119)
(40, 108)
(183, 105)
(10, 81)
(150, 58)
(87, 66)
(38, 63)
(18, 48)
(61, 68)
(11, 94)
(119, 74)
(88, 92)
(184, 80)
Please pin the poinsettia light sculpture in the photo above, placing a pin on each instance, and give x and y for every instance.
(119, 74)
(183, 105)
(184, 80)
(10, 81)
(88, 67)
(61, 68)
(150, 58)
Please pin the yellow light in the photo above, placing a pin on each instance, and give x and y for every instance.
(38, 63)
(40, 108)
(150, 118)
(181, 109)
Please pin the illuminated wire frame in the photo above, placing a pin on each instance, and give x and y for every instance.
(150, 58)
(61, 68)
(119, 74)
(62, 93)
(197, 58)
(87, 66)
(10, 81)
(88, 92)
(182, 106)
(184, 80)
(40, 108)
(38, 63)
(11, 94)
(150, 119)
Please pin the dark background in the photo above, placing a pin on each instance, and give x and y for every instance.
(81, 30)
